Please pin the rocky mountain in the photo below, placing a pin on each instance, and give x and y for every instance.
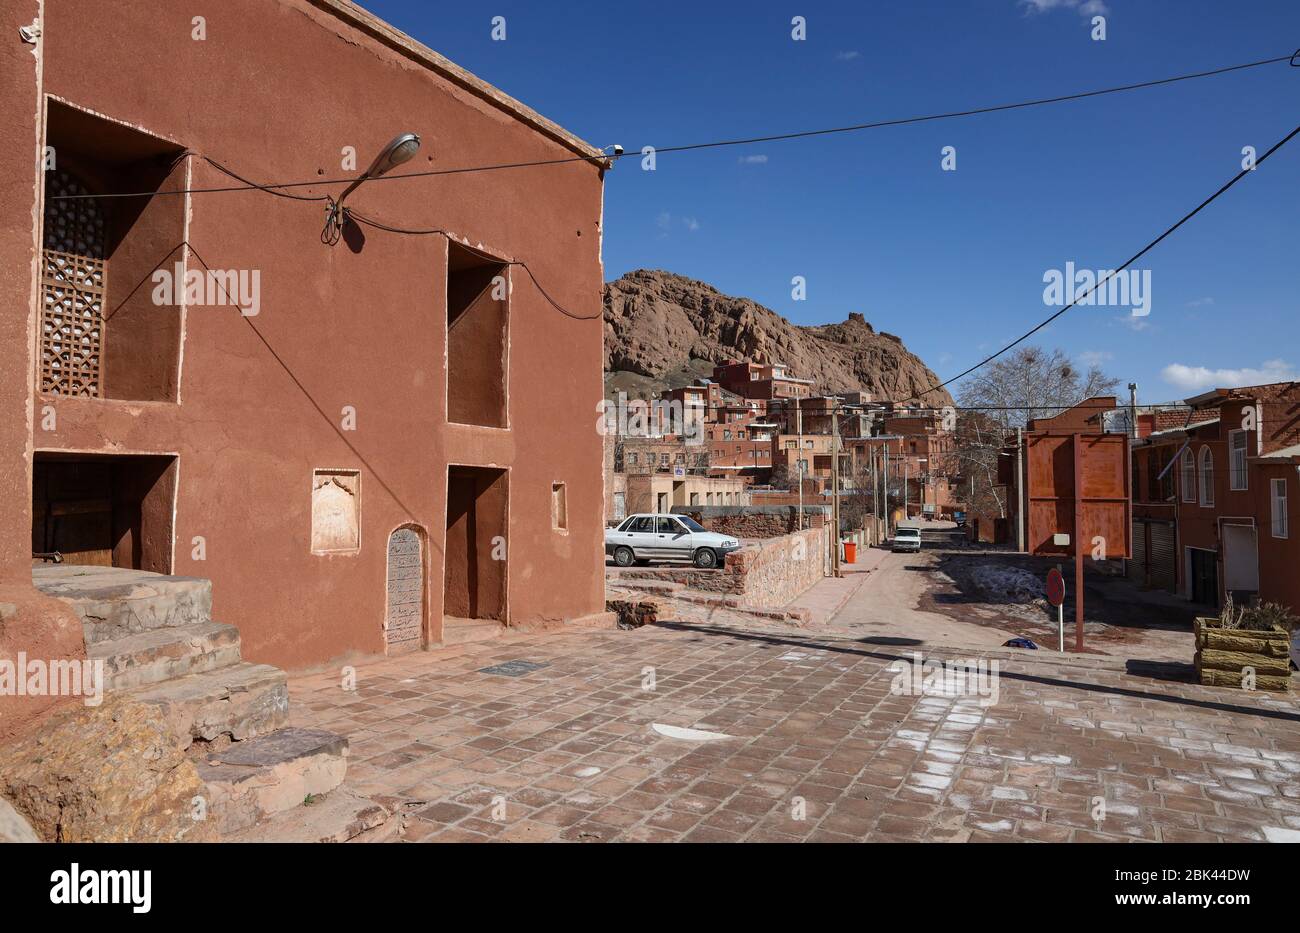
(662, 330)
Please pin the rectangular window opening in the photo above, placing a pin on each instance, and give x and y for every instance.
(109, 328)
(559, 507)
(1237, 477)
(106, 511)
(478, 290)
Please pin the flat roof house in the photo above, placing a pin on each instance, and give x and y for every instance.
(358, 443)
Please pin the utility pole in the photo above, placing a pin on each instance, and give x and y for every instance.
(1077, 450)
(798, 458)
(1020, 492)
(1133, 410)
(885, 510)
(906, 512)
(835, 488)
(875, 488)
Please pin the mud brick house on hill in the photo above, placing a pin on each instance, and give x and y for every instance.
(389, 444)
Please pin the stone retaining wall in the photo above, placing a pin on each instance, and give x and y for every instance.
(769, 521)
(768, 574)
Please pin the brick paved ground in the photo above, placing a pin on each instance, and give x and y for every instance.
(568, 752)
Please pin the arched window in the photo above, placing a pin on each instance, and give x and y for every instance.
(1187, 479)
(1207, 477)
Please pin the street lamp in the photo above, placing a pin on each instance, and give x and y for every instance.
(400, 149)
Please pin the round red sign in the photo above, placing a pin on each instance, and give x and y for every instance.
(1055, 587)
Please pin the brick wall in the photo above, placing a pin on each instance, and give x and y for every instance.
(754, 521)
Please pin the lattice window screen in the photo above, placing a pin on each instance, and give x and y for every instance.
(73, 282)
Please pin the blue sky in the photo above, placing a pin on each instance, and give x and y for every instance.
(952, 262)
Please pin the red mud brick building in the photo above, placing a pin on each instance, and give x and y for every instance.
(390, 423)
(1237, 496)
(930, 457)
(759, 380)
(1155, 508)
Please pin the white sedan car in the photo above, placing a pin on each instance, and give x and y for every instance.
(645, 537)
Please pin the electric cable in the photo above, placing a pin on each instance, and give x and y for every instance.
(1114, 272)
(1293, 59)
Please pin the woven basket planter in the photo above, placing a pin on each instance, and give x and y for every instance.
(1224, 655)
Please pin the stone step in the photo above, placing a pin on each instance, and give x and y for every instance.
(250, 782)
(114, 602)
(599, 621)
(463, 631)
(663, 587)
(160, 654)
(242, 701)
(341, 816)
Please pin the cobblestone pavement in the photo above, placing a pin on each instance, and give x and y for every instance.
(570, 751)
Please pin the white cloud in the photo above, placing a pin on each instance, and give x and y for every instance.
(1200, 302)
(1194, 378)
(1085, 7)
(759, 159)
(666, 222)
(847, 56)
(1095, 357)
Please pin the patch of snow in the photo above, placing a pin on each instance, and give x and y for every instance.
(1000, 583)
(692, 735)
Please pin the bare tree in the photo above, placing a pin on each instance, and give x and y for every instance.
(1029, 383)
(1032, 383)
(979, 445)
(858, 495)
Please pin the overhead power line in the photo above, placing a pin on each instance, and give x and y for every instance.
(434, 231)
(716, 144)
(331, 236)
(1102, 282)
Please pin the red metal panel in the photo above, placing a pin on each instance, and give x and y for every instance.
(1106, 505)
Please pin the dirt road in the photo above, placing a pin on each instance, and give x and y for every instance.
(886, 609)
(929, 599)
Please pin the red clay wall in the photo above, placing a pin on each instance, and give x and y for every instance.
(1199, 526)
(35, 625)
(274, 92)
(19, 147)
(1279, 557)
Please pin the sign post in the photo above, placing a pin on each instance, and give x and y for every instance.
(1056, 596)
(1078, 496)
(1078, 541)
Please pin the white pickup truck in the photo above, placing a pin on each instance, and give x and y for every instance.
(907, 539)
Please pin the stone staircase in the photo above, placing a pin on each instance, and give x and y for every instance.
(160, 647)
